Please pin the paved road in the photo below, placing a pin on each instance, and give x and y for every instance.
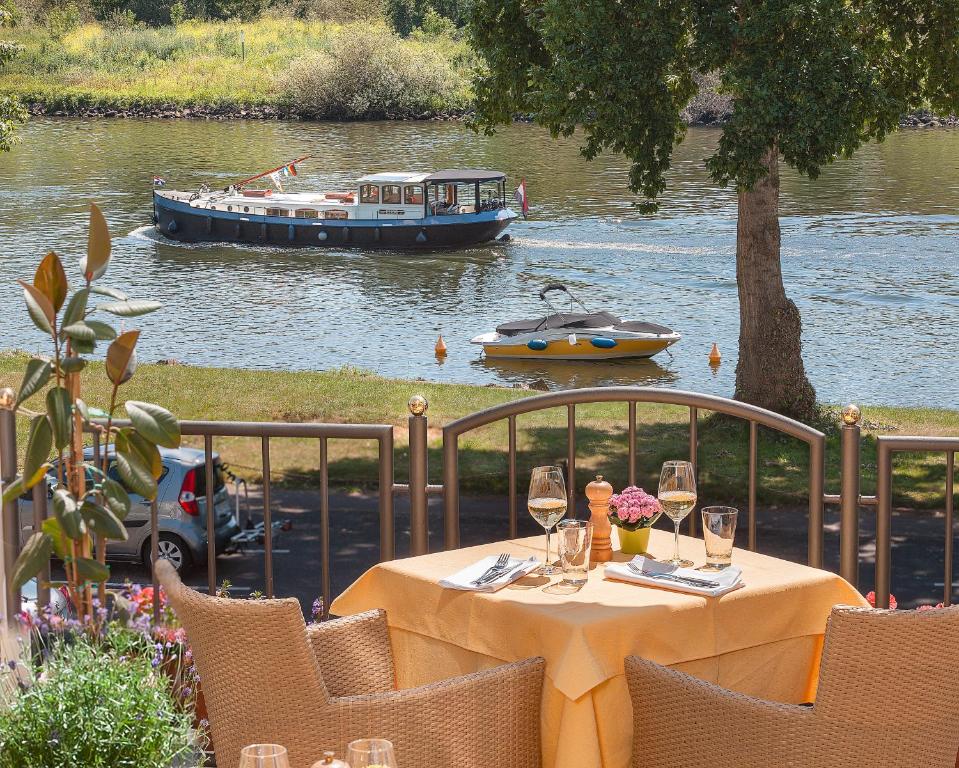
(917, 544)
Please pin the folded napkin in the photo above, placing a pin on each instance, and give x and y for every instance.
(464, 579)
(728, 579)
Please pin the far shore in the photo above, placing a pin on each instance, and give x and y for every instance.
(349, 395)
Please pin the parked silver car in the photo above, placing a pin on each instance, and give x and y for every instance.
(181, 506)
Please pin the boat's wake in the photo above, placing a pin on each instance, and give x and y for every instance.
(571, 245)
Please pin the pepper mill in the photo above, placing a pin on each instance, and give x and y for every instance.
(329, 761)
(598, 493)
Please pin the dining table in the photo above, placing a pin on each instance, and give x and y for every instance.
(763, 639)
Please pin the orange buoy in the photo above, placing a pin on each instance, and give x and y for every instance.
(440, 348)
(714, 357)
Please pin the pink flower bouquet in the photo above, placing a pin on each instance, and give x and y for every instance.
(634, 509)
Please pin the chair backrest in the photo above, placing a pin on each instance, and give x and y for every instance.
(893, 672)
(257, 670)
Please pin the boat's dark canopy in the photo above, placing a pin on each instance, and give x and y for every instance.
(574, 321)
(451, 175)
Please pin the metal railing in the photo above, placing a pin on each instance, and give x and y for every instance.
(849, 499)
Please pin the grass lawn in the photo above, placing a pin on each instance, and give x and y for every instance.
(351, 396)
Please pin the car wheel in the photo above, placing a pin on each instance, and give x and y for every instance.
(172, 549)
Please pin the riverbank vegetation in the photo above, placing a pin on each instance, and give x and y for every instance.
(353, 396)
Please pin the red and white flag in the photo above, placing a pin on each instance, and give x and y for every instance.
(520, 197)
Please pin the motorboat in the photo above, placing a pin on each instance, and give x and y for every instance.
(575, 335)
(397, 210)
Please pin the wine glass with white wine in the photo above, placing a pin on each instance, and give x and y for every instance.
(547, 505)
(677, 495)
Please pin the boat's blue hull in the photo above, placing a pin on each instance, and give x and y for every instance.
(176, 219)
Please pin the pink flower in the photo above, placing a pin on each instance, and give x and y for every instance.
(634, 505)
(871, 599)
(929, 607)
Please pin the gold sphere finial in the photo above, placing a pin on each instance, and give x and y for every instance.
(7, 398)
(851, 414)
(418, 405)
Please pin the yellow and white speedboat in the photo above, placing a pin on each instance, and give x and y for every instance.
(575, 335)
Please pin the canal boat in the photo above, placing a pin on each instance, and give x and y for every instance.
(404, 210)
(575, 335)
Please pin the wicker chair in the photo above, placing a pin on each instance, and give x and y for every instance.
(267, 678)
(888, 696)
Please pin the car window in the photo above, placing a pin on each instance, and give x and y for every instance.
(114, 474)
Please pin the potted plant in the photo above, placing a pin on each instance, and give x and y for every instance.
(634, 511)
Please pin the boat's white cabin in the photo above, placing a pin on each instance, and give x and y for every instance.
(377, 196)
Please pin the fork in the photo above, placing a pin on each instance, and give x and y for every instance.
(501, 562)
(672, 577)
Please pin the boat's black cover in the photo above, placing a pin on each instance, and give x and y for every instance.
(464, 174)
(578, 321)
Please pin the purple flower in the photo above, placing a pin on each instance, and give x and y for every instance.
(634, 505)
(318, 606)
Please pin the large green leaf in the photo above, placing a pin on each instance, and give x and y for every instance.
(135, 470)
(23, 484)
(35, 555)
(65, 511)
(103, 331)
(76, 308)
(106, 290)
(39, 444)
(116, 498)
(102, 521)
(156, 424)
(51, 527)
(72, 364)
(92, 570)
(51, 280)
(130, 307)
(79, 331)
(82, 346)
(35, 377)
(60, 412)
(121, 360)
(38, 307)
(146, 450)
(98, 246)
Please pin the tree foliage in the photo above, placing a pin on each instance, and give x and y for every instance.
(11, 112)
(818, 77)
(406, 15)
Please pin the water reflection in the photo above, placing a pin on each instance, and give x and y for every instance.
(869, 255)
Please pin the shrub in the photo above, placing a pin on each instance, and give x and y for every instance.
(94, 709)
(370, 76)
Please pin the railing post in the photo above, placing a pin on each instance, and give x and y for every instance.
(419, 511)
(883, 523)
(9, 522)
(817, 481)
(849, 494)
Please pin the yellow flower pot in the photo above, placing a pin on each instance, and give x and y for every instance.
(633, 542)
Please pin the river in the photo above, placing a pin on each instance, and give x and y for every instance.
(869, 255)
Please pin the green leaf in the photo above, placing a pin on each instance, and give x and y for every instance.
(23, 484)
(156, 424)
(60, 412)
(51, 280)
(79, 331)
(116, 498)
(105, 290)
(82, 346)
(38, 307)
(39, 444)
(146, 450)
(76, 308)
(51, 527)
(135, 471)
(98, 246)
(92, 570)
(103, 331)
(33, 558)
(121, 357)
(102, 521)
(72, 364)
(65, 511)
(82, 408)
(35, 377)
(130, 307)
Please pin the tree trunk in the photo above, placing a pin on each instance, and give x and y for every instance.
(770, 370)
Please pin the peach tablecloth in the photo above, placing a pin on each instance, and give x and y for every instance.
(763, 639)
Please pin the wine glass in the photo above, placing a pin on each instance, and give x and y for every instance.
(547, 505)
(264, 756)
(370, 753)
(677, 494)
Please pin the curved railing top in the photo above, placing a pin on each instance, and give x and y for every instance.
(638, 395)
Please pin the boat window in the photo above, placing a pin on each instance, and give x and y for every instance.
(335, 214)
(276, 212)
(369, 193)
(307, 213)
(391, 194)
(414, 194)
